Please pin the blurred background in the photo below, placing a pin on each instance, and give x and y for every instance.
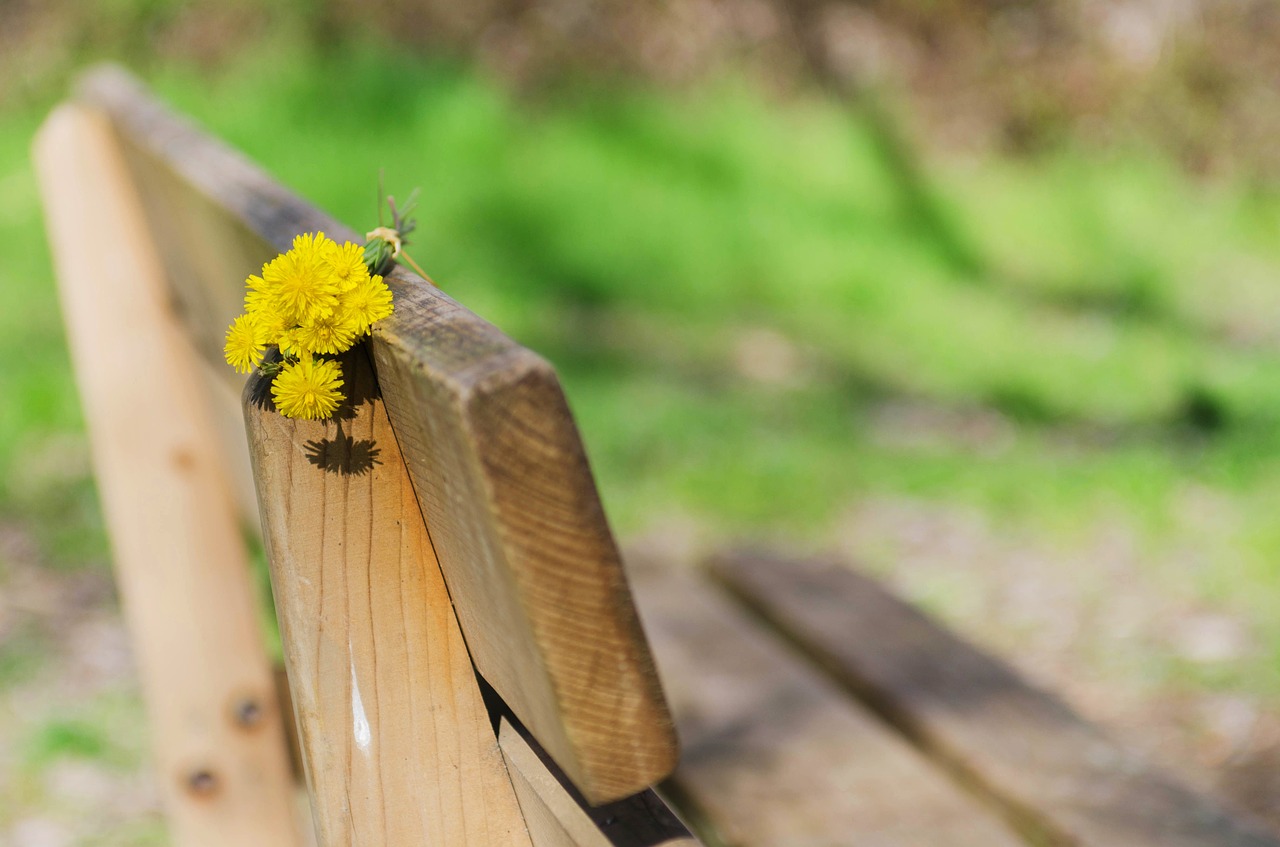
(981, 295)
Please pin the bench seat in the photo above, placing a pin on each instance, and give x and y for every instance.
(816, 708)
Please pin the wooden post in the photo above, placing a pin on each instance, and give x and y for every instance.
(179, 556)
(397, 744)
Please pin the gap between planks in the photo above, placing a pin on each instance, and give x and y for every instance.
(558, 815)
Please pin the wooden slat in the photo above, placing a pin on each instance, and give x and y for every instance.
(1061, 778)
(558, 816)
(397, 745)
(499, 470)
(533, 571)
(180, 562)
(217, 217)
(777, 756)
(206, 252)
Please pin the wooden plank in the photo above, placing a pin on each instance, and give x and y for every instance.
(188, 184)
(774, 754)
(500, 474)
(535, 575)
(180, 562)
(558, 815)
(1062, 779)
(397, 745)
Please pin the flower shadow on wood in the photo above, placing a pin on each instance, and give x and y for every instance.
(341, 454)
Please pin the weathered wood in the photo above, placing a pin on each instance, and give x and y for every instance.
(774, 754)
(180, 562)
(397, 745)
(558, 816)
(216, 216)
(534, 574)
(495, 458)
(1059, 777)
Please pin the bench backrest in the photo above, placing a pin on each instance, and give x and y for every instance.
(456, 456)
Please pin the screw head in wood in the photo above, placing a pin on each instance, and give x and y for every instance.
(202, 782)
(248, 713)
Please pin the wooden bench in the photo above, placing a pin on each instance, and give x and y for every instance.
(465, 661)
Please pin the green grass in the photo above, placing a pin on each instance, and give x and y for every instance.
(43, 458)
(1121, 318)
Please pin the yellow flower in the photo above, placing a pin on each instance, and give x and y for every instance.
(257, 293)
(259, 302)
(289, 343)
(347, 265)
(316, 299)
(246, 343)
(308, 389)
(368, 302)
(331, 334)
(301, 282)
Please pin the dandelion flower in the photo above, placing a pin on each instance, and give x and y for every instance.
(368, 302)
(316, 299)
(246, 344)
(259, 302)
(308, 389)
(332, 334)
(301, 281)
(257, 292)
(346, 263)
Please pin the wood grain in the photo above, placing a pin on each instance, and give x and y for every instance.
(777, 756)
(494, 455)
(1059, 777)
(397, 745)
(539, 588)
(180, 562)
(558, 816)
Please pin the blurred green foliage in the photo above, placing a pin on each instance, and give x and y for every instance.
(641, 239)
(733, 288)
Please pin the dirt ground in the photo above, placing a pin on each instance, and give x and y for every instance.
(1083, 625)
(1090, 626)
